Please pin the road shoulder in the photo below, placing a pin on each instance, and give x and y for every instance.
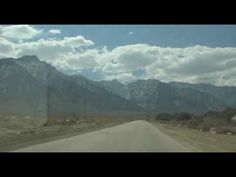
(198, 141)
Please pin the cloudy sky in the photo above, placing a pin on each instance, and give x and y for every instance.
(188, 53)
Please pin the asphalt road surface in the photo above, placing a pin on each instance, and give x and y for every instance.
(135, 136)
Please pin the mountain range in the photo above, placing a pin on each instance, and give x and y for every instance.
(175, 96)
(31, 86)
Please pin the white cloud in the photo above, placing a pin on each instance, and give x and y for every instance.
(127, 63)
(52, 49)
(190, 64)
(6, 48)
(54, 31)
(82, 61)
(131, 33)
(19, 31)
(77, 41)
(123, 77)
(47, 50)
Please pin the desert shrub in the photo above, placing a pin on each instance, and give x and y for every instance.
(68, 121)
(226, 129)
(210, 113)
(51, 121)
(182, 116)
(216, 121)
(164, 117)
(227, 115)
(194, 122)
(205, 126)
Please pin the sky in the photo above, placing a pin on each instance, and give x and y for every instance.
(185, 53)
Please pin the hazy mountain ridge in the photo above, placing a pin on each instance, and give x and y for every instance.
(225, 93)
(30, 85)
(168, 97)
(62, 94)
(19, 91)
(116, 87)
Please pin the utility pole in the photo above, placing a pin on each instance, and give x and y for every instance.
(148, 111)
(85, 99)
(131, 115)
(48, 104)
(111, 91)
(131, 109)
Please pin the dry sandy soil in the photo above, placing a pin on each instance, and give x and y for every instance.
(22, 132)
(199, 141)
(16, 133)
(134, 136)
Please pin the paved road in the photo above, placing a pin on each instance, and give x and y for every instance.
(136, 136)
